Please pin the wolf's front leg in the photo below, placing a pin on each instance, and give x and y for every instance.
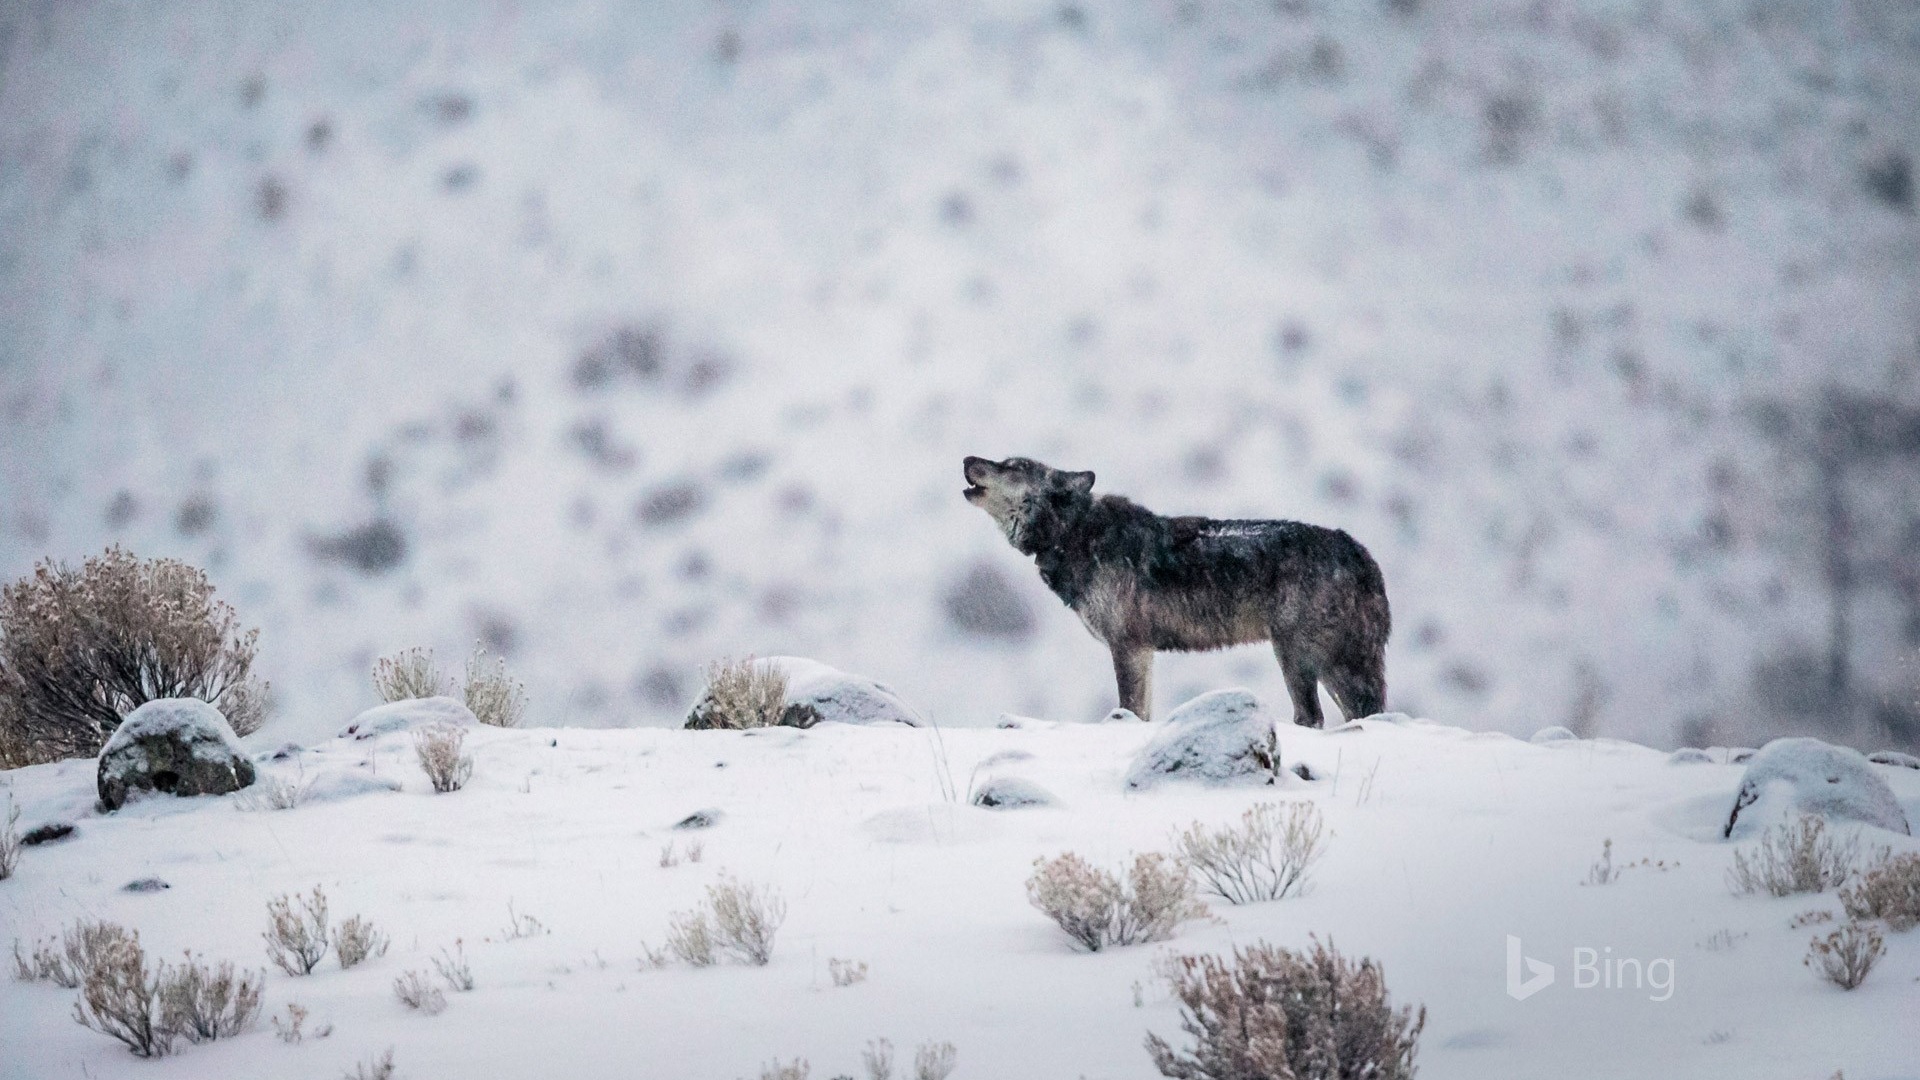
(1133, 670)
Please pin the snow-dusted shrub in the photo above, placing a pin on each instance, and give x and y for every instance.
(1274, 1012)
(272, 793)
(297, 940)
(355, 940)
(418, 993)
(797, 1069)
(120, 996)
(201, 1003)
(690, 937)
(846, 972)
(438, 747)
(80, 649)
(741, 694)
(934, 1061)
(293, 1029)
(9, 841)
(1265, 857)
(746, 918)
(878, 1059)
(1845, 956)
(409, 674)
(1097, 910)
(453, 968)
(80, 949)
(1603, 872)
(1794, 857)
(1889, 890)
(496, 698)
(380, 1068)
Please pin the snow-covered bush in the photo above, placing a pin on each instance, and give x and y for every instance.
(690, 937)
(293, 1029)
(934, 1061)
(9, 841)
(1845, 956)
(797, 1069)
(741, 694)
(1097, 910)
(380, 1068)
(1274, 1012)
(878, 1059)
(1794, 857)
(201, 1003)
(1265, 857)
(272, 793)
(409, 674)
(297, 940)
(417, 992)
(438, 747)
(453, 968)
(496, 698)
(845, 973)
(355, 940)
(1889, 890)
(80, 649)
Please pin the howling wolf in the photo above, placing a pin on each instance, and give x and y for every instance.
(1141, 582)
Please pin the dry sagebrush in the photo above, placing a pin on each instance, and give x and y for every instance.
(202, 1003)
(438, 746)
(1264, 857)
(81, 648)
(355, 940)
(1274, 1012)
(297, 940)
(1794, 857)
(1845, 956)
(418, 993)
(150, 1008)
(494, 697)
(1889, 891)
(409, 674)
(741, 694)
(736, 918)
(1096, 909)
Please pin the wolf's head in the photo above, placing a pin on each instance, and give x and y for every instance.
(1029, 501)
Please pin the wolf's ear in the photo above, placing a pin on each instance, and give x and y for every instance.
(1081, 482)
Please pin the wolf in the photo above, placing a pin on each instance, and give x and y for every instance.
(1143, 583)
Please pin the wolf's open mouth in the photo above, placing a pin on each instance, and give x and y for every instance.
(974, 490)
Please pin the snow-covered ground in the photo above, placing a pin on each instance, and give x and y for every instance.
(1443, 843)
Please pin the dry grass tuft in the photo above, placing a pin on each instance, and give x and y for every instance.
(797, 1069)
(1274, 1012)
(356, 940)
(453, 968)
(846, 973)
(297, 941)
(934, 1061)
(438, 747)
(1845, 956)
(494, 697)
(1097, 910)
(410, 674)
(380, 1068)
(1889, 890)
(417, 992)
(1265, 857)
(690, 937)
(741, 694)
(1794, 857)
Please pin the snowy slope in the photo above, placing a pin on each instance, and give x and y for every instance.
(627, 337)
(1443, 843)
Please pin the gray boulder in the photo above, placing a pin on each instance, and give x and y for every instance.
(179, 746)
(1807, 776)
(1219, 737)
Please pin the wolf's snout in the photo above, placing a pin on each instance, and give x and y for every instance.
(973, 468)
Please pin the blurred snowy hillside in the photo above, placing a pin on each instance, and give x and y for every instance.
(627, 336)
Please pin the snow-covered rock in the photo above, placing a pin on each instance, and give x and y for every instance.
(818, 693)
(332, 785)
(1894, 757)
(1808, 776)
(1120, 716)
(1689, 755)
(181, 746)
(1010, 793)
(407, 715)
(1220, 736)
(1553, 735)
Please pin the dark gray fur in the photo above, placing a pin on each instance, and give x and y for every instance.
(1143, 583)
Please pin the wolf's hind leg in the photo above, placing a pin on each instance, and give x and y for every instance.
(1303, 686)
(1133, 670)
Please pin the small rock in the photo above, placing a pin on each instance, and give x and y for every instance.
(1553, 735)
(48, 833)
(1300, 770)
(1807, 776)
(1011, 793)
(1689, 755)
(145, 884)
(1120, 716)
(1894, 757)
(699, 819)
(178, 746)
(1220, 736)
